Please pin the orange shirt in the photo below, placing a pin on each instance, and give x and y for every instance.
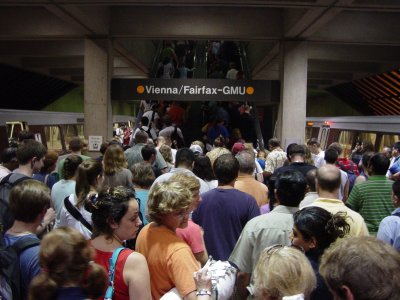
(170, 260)
(248, 185)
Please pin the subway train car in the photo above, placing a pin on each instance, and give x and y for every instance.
(53, 129)
(380, 130)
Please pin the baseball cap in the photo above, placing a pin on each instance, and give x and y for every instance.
(196, 149)
(237, 147)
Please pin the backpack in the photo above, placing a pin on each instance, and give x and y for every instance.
(350, 173)
(147, 131)
(10, 274)
(6, 184)
(177, 141)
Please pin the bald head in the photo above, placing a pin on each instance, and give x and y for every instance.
(328, 178)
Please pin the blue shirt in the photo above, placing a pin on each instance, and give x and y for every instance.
(389, 230)
(143, 195)
(223, 213)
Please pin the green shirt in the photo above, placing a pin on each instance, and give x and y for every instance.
(373, 200)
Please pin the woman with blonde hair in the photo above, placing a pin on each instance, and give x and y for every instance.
(67, 268)
(171, 261)
(115, 171)
(115, 216)
(283, 272)
(89, 180)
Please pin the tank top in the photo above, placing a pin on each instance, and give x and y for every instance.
(121, 291)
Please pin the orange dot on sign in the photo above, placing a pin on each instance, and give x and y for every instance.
(250, 90)
(140, 89)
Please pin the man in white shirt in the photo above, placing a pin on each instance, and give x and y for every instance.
(316, 152)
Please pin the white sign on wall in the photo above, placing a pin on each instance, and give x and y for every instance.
(95, 142)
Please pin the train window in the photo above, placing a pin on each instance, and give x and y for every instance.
(53, 138)
(388, 140)
(367, 136)
(346, 140)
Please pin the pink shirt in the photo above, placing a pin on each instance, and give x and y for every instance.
(193, 236)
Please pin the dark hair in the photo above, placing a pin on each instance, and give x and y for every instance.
(29, 149)
(86, 177)
(109, 206)
(103, 147)
(320, 224)
(331, 155)
(49, 162)
(28, 199)
(226, 168)
(297, 150)
(25, 135)
(71, 164)
(75, 144)
(147, 151)
(313, 141)
(289, 148)
(219, 141)
(366, 157)
(167, 120)
(144, 121)
(367, 146)
(202, 168)
(379, 163)
(337, 147)
(396, 145)
(396, 188)
(141, 137)
(185, 157)
(329, 178)
(274, 142)
(290, 187)
(142, 174)
(8, 154)
(310, 179)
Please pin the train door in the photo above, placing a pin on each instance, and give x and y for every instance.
(323, 136)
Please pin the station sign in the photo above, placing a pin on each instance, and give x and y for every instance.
(191, 90)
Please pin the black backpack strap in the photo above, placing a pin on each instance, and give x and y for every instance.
(25, 243)
(76, 214)
(16, 181)
(396, 214)
(6, 178)
(152, 117)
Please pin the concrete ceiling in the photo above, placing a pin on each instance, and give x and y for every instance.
(347, 39)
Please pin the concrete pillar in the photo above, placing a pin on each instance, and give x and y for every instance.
(97, 88)
(292, 109)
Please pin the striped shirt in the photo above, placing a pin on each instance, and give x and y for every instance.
(373, 200)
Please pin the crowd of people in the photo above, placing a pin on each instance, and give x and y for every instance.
(140, 220)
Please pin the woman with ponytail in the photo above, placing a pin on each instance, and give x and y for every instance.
(89, 180)
(314, 230)
(115, 215)
(67, 268)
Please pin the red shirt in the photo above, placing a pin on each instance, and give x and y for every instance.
(121, 291)
(348, 164)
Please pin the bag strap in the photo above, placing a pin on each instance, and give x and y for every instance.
(152, 117)
(396, 214)
(113, 261)
(16, 181)
(76, 214)
(341, 166)
(25, 243)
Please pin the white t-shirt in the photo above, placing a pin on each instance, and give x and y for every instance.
(66, 219)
